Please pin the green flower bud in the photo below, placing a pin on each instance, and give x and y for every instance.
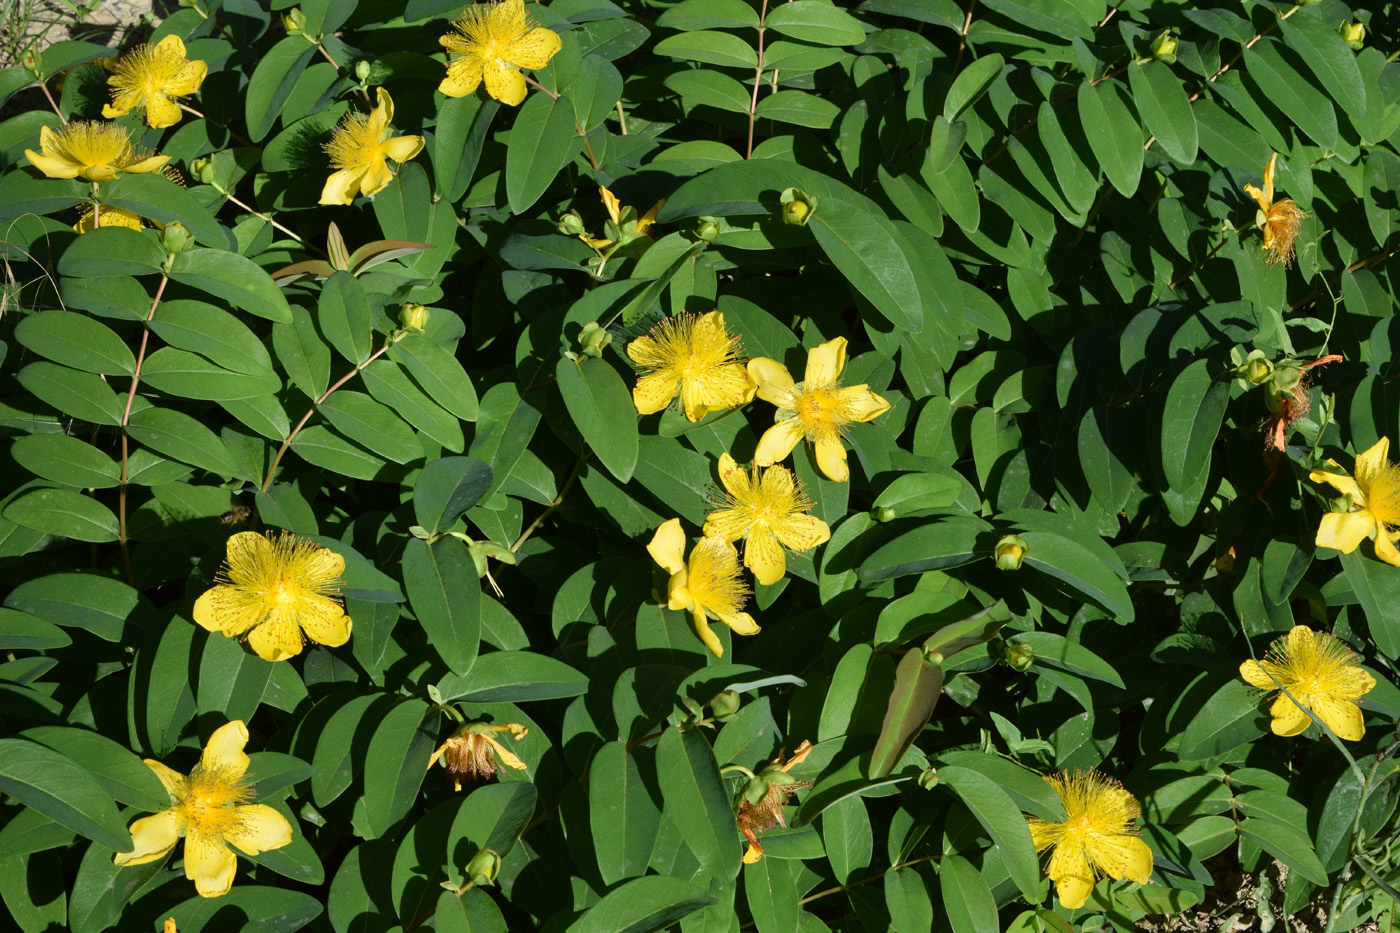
(1011, 550)
(1019, 656)
(175, 237)
(1164, 48)
(707, 229)
(797, 207)
(1257, 369)
(1354, 34)
(294, 21)
(725, 705)
(483, 868)
(362, 71)
(30, 61)
(413, 317)
(883, 514)
(928, 778)
(203, 169)
(571, 224)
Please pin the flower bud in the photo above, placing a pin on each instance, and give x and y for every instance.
(1019, 656)
(203, 169)
(1257, 369)
(30, 61)
(294, 21)
(1164, 48)
(1354, 34)
(797, 207)
(707, 229)
(1340, 504)
(1011, 550)
(362, 71)
(883, 514)
(483, 868)
(413, 317)
(571, 224)
(928, 778)
(175, 237)
(725, 705)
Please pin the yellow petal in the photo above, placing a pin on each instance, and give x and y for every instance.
(463, 77)
(508, 757)
(678, 592)
(765, 556)
(860, 403)
(111, 113)
(611, 204)
(277, 638)
(1353, 683)
(734, 480)
(741, 623)
(1342, 717)
(1372, 462)
(209, 864)
(503, 82)
(189, 78)
(175, 783)
(1288, 717)
(51, 167)
(1120, 855)
(342, 186)
(800, 532)
(402, 148)
(161, 112)
(1072, 876)
(778, 441)
(774, 382)
(323, 620)
(382, 114)
(754, 853)
(667, 546)
(152, 838)
(824, 364)
(1340, 481)
(535, 50)
(1256, 675)
(1385, 548)
(831, 459)
(1345, 530)
(153, 164)
(1269, 178)
(377, 177)
(172, 43)
(1043, 834)
(224, 750)
(205, 614)
(260, 828)
(655, 391)
(702, 628)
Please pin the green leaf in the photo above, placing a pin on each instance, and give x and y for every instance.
(472, 912)
(1003, 821)
(866, 247)
(1228, 719)
(76, 341)
(64, 513)
(122, 774)
(970, 904)
(231, 678)
(1082, 569)
(1377, 589)
(917, 686)
(234, 278)
(213, 332)
(971, 83)
(1268, 67)
(1380, 180)
(1057, 651)
(595, 92)
(816, 21)
(514, 677)
(367, 422)
(1166, 112)
(847, 838)
(272, 82)
(935, 545)
(301, 352)
(463, 126)
(709, 14)
(396, 763)
(1286, 844)
(1113, 134)
(710, 47)
(503, 433)
(695, 799)
(109, 251)
(189, 375)
(622, 815)
(770, 887)
(388, 383)
(439, 373)
(333, 762)
(442, 587)
(344, 315)
(21, 631)
(1194, 410)
(157, 198)
(63, 790)
(101, 889)
(602, 409)
(1109, 478)
(1329, 57)
(798, 107)
(712, 88)
(1055, 17)
(643, 905)
(540, 144)
(66, 460)
(446, 488)
(22, 193)
(180, 437)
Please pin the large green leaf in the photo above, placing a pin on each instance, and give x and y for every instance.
(442, 587)
(63, 790)
(623, 817)
(514, 676)
(1003, 821)
(1166, 112)
(695, 799)
(541, 140)
(602, 409)
(396, 764)
(236, 279)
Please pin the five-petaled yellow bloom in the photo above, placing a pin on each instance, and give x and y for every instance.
(492, 41)
(89, 149)
(471, 754)
(1096, 837)
(358, 149)
(818, 409)
(149, 77)
(695, 354)
(273, 589)
(768, 509)
(1320, 671)
(1280, 220)
(708, 585)
(1374, 497)
(210, 809)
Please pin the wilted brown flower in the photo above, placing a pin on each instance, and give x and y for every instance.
(761, 807)
(471, 754)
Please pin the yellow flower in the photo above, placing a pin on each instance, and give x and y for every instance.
(1374, 495)
(107, 216)
(273, 589)
(693, 353)
(170, 926)
(709, 585)
(1319, 670)
(761, 807)
(1280, 220)
(1095, 838)
(210, 809)
(91, 149)
(492, 42)
(358, 149)
(618, 215)
(767, 508)
(818, 409)
(149, 76)
(472, 755)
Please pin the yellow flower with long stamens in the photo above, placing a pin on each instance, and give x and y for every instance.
(471, 754)
(1373, 497)
(1280, 220)
(150, 77)
(708, 585)
(89, 149)
(211, 810)
(358, 150)
(492, 41)
(1095, 838)
(768, 509)
(1320, 671)
(818, 409)
(273, 589)
(761, 807)
(695, 354)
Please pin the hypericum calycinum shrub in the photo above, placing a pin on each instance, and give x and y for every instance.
(713, 465)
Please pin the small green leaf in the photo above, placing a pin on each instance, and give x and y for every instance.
(440, 579)
(602, 409)
(540, 144)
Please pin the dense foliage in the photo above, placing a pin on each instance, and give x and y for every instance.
(708, 465)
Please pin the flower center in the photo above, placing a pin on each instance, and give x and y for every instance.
(210, 805)
(92, 143)
(354, 144)
(821, 411)
(713, 579)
